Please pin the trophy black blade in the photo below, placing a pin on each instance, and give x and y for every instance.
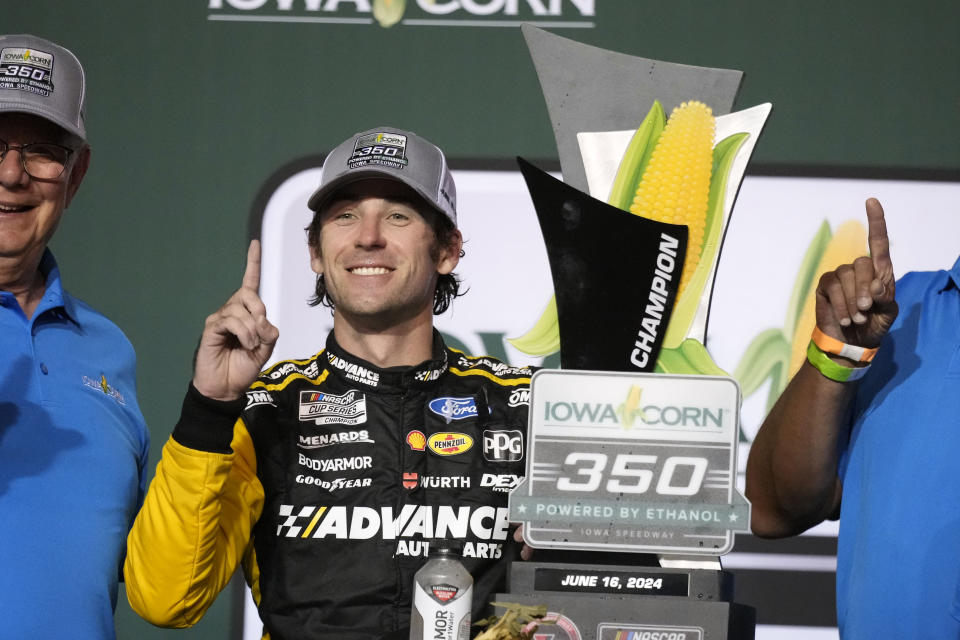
(615, 276)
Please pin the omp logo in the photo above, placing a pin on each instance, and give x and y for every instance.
(449, 444)
(255, 398)
(454, 408)
(519, 397)
(386, 13)
(502, 446)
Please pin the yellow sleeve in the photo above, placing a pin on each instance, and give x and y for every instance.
(193, 530)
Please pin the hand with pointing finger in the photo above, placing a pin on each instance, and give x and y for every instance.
(237, 339)
(855, 302)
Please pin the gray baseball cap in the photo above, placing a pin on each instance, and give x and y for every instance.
(43, 79)
(388, 152)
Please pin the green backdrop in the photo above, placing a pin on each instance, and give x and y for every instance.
(188, 116)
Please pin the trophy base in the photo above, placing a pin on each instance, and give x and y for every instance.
(627, 602)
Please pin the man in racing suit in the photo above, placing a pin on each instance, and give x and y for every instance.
(329, 477)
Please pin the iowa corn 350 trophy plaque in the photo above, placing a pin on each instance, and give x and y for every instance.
(630, 493)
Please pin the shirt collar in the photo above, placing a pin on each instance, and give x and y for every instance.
(366, 375)
(953, 276)
(54, 296)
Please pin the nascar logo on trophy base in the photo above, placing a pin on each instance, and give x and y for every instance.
(622, 455)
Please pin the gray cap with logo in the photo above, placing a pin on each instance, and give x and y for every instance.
(395, 154)
(43, 79)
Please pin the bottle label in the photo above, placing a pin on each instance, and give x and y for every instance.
(444, 592)
(444, 610)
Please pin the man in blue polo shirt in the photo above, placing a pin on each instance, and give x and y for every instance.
(868, 431)
(73, 444)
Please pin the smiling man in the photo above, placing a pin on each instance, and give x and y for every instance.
(329, 477)
(73, 444)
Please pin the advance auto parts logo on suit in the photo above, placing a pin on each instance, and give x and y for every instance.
(387, 13)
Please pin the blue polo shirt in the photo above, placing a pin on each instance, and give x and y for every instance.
(898, 564)
(73, 454)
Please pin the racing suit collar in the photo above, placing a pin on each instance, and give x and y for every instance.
(366, 375)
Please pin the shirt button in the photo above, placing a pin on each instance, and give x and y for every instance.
(43, 368)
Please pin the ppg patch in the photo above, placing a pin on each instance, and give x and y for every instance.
(330, 408)
(502, 446)
(26, 70)
(385, 149)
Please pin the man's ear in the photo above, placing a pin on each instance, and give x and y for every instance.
(77, 171)
(316, 264)
(450, 254)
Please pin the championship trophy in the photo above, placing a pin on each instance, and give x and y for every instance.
(629, 498)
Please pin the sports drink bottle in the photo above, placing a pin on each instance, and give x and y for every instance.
(442, 597)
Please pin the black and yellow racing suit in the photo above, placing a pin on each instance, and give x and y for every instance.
(329, 488)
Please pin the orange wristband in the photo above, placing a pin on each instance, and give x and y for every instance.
(837, 348)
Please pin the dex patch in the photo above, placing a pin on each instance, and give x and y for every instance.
(449, 444)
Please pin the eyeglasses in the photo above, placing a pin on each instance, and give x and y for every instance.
(41, 160)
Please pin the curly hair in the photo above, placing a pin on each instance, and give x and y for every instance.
(444, 235)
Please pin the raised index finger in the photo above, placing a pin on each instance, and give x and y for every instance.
(251, 277)
(878, 241)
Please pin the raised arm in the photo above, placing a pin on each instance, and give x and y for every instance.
(197, 517)
(237, 339)
(792, 478)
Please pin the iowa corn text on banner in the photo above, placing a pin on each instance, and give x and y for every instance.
(194, 105)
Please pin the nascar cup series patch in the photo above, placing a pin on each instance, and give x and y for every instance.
(386, 149)
(330, 408)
